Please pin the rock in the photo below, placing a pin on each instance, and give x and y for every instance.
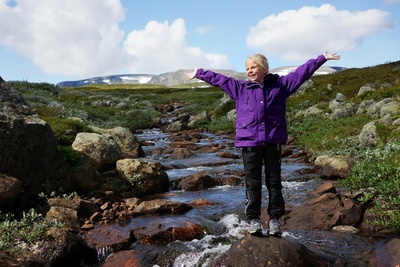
(87, 178)
(364, 89)
(229, 155)
(101, 152)
(9, 190)
(337, 167)
(392, 108)
(159, 206)
(196, 182)
(168, 231)
(108, 236)
(184, 144)
(177, 127)
(271, 251)
(323, 212)
(127, 258)
(128, 143)
(325, 188)
(146, 178)
(386, 253)
(25, 259)
(333, 167)
(337, 102)
(364, 106)
(70, 211)
(345, 229)
(62, 249)
(375, 110)
(201, 203)
(181, 153)
(343, 111)
(28, 148)
(199, 118)
(369, 135)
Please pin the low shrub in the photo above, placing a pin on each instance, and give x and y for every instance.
(31, 228)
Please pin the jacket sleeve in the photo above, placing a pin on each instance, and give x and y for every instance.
(292, 81)
(230, 85)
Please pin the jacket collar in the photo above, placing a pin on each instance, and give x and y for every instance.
(269, 78)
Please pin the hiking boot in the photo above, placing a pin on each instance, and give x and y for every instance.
(255, 227)
(275, 228)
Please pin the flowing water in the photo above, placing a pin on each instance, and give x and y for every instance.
(224, 221)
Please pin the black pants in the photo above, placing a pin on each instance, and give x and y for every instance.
(253, 160)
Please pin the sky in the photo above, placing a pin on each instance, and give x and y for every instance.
(57, 40)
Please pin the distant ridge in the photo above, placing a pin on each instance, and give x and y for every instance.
(109, 79)
(176, 77)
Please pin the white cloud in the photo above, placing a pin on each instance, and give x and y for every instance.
(301, 34)
(161, 47)
(83, 38)
(71, 37)
(204, 29)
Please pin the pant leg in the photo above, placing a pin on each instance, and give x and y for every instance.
(272, 161)
(253, 162)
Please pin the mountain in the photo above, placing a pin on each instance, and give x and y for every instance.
(176, 77)
(109, 79)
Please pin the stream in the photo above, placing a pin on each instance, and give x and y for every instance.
(225, 221)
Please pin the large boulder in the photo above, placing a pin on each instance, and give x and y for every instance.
(28, 147)
(127, 141)
(146, 178)
(271, 251)
(100, 151)
(324, 212)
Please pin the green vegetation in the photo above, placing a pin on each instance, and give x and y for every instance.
(376, 175)
(31, 228)
(72, 110)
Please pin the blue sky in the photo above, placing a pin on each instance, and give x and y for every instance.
(57, 40)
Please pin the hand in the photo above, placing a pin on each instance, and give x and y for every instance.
(190, 75)
(331, 56)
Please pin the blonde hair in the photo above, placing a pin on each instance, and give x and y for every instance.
(260, 59)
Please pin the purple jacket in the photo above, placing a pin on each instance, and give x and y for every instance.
(261, 108)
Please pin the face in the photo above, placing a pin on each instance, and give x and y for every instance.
(254, 71)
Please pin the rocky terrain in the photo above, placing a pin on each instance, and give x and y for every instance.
(93, 232)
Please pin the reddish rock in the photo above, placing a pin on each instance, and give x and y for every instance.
(167, 231)
(103, 236)
(126, 258)
(207, 149)
(324, 188)
(201, 203)
(159, 206)
(184, 144)
(323, 212)
(181, 153)
(197, 181)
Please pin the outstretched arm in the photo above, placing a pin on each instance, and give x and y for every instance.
(190, 75)
(331, 56)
